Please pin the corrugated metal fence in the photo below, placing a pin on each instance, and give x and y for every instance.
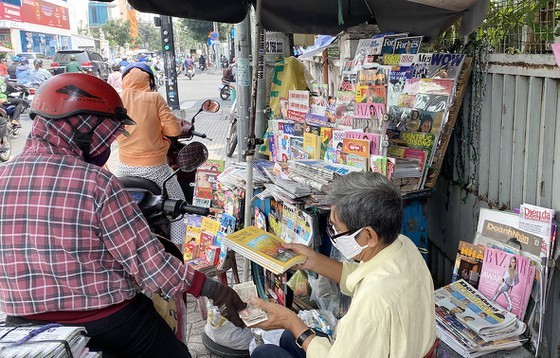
(517, 147)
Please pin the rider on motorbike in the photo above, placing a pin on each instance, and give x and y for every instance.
(39, 74)
(188, 63)
(202, 62)
(144, 153)
(13, 106)
(23, 72)
(75, 247)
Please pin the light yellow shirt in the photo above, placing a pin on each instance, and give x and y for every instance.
(392, 311)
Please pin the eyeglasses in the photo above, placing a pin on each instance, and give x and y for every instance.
(333, 234)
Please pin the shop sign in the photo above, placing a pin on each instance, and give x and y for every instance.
(10, 12)
(41, 12)
(5, 38)
(274, 46)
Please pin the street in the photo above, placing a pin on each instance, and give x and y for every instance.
(204, 85)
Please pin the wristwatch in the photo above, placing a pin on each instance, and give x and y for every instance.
(302, 337)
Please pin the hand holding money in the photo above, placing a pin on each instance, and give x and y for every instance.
(251, 315)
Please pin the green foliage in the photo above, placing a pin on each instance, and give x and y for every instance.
(190, 32)
(507, 20)
(117, 32)
(149, 36)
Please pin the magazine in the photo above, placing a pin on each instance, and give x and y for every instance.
(468, 263)
(438, 65)
(263, 248)
(477, 312)
(505, 278)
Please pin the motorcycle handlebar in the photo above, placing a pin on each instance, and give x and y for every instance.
(198, 134)
(178, 207)
(191, 209)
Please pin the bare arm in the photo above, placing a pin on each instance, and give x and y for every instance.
(323, 265)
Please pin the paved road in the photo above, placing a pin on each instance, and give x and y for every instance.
(204, 85)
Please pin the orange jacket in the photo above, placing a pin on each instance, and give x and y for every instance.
(146, 145)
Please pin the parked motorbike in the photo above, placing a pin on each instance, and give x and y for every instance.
(225, 89)
(231, 137)
(190, 72)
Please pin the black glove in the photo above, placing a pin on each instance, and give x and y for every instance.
(226, 299)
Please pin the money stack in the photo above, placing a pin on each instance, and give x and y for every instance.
(250, 315)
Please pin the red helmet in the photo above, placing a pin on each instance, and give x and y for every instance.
(72, 93)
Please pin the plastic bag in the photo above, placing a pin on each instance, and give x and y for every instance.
(224, 333)
(265, 337)
(328, 297)
(299, 284)
(319, 320)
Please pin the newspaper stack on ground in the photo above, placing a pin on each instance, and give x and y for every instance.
(251, 315)
(472, 324)
(51, 340)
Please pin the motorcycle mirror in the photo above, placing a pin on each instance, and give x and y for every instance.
(191, 156)
(210, 106)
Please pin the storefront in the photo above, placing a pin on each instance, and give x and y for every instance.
(34, 26)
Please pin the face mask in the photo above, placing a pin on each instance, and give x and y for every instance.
(348, 246)
(100, 159)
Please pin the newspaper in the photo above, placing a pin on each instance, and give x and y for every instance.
(251, 315)
(42, 341)
(478, 313)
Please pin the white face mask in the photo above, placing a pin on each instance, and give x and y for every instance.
(348, 246)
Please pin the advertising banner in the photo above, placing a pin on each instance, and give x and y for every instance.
(10, 12)
(44, 13)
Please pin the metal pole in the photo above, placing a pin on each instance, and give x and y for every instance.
(168, 45)
(217, 49)
(252, 142)
(243, 82)
(260, 120)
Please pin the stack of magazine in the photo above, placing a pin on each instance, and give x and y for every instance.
(263, 248)
(44, 341)
(472, 324)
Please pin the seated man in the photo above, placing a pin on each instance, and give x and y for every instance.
(392, 311)
(39, 74)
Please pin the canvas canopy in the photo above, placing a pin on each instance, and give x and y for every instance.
(326, 16)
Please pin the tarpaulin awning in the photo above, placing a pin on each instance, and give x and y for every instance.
(322, 16)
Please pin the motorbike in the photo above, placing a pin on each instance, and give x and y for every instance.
(231, 137)
(225, 89)
(202, 66)
(6, 132)
(189, 72)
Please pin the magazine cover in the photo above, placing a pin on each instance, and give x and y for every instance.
(289, 218)
(345, 106)
(442, 86)
(304, 228)
(389, 42)
(263, 248)
(431, 102)
(503, 227)
(438, 65)
(397, 79)
(407, 45)
(373, 138)
(504, 278)
(468, 263)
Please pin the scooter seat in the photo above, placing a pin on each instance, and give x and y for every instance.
(140, 183)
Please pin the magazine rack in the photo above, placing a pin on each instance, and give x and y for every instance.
(445, 136)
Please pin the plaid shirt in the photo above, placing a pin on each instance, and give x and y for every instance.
(71, 238)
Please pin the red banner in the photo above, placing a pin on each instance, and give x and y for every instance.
(10, 12)
(44, 13)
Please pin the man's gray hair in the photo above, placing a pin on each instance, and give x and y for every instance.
(368, 199)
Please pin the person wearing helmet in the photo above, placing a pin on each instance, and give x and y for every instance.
(115, 78)
(23, 72)
(12, 67)
(124, 62)
(12, 105)
(144, 152)
(38, 73)
(76, 249)
(72, 66)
